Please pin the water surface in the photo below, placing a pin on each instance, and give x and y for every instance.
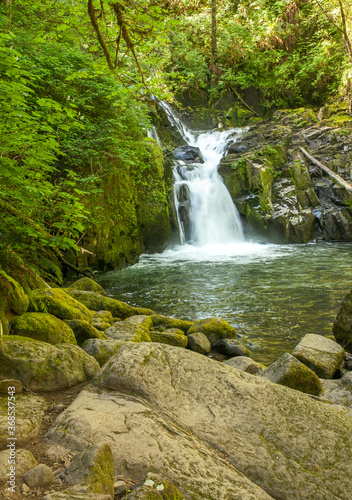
(273, 294)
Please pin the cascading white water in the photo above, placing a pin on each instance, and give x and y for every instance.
(213, 217)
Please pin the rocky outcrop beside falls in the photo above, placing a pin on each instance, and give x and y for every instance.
(278, 191)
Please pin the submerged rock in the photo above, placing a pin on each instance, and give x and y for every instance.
(44, 327)
(320, 354)
(175, 408)
(290, 372)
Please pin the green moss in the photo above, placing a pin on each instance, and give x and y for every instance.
(88, 285)
(166, 322)
(214, 329)
(101, 474)
(58, 303)
(169, 338)
(84, 330)
(305, 193)
(43, 327)
(12, 294)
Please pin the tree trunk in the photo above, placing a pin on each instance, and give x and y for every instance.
(214, 44)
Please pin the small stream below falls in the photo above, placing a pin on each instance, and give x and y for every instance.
(273, 294)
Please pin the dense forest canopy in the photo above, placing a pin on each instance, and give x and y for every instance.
(74, 81)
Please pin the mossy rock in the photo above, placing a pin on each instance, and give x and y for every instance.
(166, 322)
(99, 324)
(88, 285)
(93, 470)
(320, 354)
(105, 316)
(131, 332)
(214, 329)
(169, 338)
(198, 342)
(142, 320)
(12, 295)
(58, 303)
(233, 347)
(84, 330)
(97, 302)
(102, 349)
(44, 367)
(342, 328)
(44, 327)
(290, 372)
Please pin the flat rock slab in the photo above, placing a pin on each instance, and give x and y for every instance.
(169, 409)
(29, 415)
(320, 354)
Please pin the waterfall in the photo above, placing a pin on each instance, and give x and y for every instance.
(154, 134)
(205, 211)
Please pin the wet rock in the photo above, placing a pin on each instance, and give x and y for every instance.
(97, 302)
(24, 461)
(42, 366)
(290, 372)
(320, 354)
(44, 327)
(198, 342)
(245, 364)
(39, 477)
(214, 329)
(342, 328)
(188, 153)
(169, 421)
(232, 347)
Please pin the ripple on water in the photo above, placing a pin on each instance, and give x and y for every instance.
(273, 294)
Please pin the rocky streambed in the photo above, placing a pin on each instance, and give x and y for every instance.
(115, 401)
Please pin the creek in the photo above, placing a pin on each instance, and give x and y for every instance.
(272, 294)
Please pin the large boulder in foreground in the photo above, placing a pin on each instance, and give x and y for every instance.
(97, 302)
(177, 409)
(58, 303)
(342, 328)
(214, 329)
(320, 354)
(290, 372)
(44, 367)
(44, 327)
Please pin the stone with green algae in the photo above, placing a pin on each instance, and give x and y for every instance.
(58, 303)
(288, 371)
(166, 322)
(170, 338)
(44, 327)
(198, 342)
(44, 367)
(102, 349)
(214, 329)
(84, 330)
(88, 285)
(13, 296)
(97, 302)
(105, 316)
(128, 331)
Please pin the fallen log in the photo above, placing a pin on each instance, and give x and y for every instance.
(326, 169)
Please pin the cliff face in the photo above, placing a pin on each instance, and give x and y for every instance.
(277, 191)
(134, 213)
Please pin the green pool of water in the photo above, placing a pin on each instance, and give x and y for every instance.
(273, 294)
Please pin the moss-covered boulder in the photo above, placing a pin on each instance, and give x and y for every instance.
(320, 354)
(44, 327)
(165, 322)
(97, 302)
(58, 303)
(102, 349)
(131, 332)
(198, 342)
(84, 330)
(30, 410)
(104, 316)
(92, 470)
(214, 329)
(142, 320)
(170, 338)
(12, 295)
(44, 367)
(290, 372)
(88, 285)
(100, 325)
(342, 328)
(233, 347)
